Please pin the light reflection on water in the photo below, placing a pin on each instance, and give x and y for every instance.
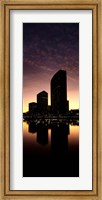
(30, 136)
(50, 151)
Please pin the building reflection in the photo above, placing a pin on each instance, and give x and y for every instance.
(57, 156)
(32, 128)
(59, 140)
(59, 136)
(42, 134)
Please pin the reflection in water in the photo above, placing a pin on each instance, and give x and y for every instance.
(59, 140)
(32, 127)
(51, 151)
(42, 138)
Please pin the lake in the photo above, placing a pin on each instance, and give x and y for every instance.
(50, 150)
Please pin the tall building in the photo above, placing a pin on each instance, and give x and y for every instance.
(32, 107)
(59, 92)
(42, 102)
(67, 105)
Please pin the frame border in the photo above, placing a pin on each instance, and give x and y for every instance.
(5, 7)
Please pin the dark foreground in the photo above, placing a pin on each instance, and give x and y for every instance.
(50, 151)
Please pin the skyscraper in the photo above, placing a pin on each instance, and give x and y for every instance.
(42, 102)
(59, 92)
(32, 107)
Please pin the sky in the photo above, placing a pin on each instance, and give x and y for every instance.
(47, 48)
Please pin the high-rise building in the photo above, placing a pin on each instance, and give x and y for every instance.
(59, 92)
(32, 107)
(42, 102)
(67, 105)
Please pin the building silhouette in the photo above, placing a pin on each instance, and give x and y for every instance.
(42, 102)
(67, 105)
(59, 102)
(33, 107)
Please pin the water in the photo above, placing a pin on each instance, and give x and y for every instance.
(50, 151)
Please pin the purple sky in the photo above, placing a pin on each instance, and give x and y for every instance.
(48, 47)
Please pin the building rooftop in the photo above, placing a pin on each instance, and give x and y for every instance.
(42, 92)
(57, 73)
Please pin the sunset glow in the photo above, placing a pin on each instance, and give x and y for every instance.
(46, 49)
